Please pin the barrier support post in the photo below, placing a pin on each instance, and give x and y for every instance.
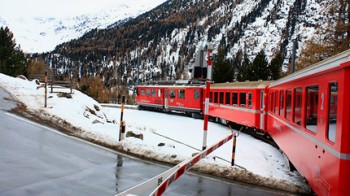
(123, 131)
(233, 150)
(121, 120)
(234, 141)
(45, 80)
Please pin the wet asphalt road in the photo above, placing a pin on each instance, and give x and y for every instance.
(36, 160)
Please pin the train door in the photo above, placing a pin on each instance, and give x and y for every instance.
(262, 106)
(166, 105)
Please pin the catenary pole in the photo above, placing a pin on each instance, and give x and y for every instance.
(207, 94)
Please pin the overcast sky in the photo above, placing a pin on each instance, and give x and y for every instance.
(54, 8)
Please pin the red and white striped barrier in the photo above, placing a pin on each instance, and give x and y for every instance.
(186, 165)
(150, 184)
(160, 185)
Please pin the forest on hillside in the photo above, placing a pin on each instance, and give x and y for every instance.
(253, 40)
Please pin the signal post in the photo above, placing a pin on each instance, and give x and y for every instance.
(207, 94)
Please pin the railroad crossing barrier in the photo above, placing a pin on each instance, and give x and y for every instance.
(185, 166)
(149, 184)
(163, 180)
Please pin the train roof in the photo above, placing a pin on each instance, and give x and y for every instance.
(329, 63)
(173, 83)
(241, 85)
(171, 86)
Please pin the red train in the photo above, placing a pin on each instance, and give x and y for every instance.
(178, 97)
(306, 114)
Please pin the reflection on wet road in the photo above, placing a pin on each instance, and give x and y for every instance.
(35, 160)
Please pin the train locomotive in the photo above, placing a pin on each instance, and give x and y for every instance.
(305, 113)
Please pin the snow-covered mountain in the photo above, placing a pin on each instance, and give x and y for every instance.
(40, 25)
(163, 42)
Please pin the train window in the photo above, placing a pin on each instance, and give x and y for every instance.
(262, 101)
(242, 99)
(148, 92)
(181, 94)
(250, 100)
(172, 94)
(272, 95)
(298, 92)
(196, 94)
(228, 98)
(159, 93)
(312, 107)
(211, 97)
(275, 102)
(288, 104)
(332, 111)
(221, 97)
(234, 98)
(282, 103)
(153, 92)
(216, 94)
(142, 92)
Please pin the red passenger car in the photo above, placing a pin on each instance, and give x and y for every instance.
(308, 117)
(184, 98)
(150, 96)
(240, 102)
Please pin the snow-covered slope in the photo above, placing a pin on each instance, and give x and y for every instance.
(40, 25)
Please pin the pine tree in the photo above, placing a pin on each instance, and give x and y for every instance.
(276, 66)
(244, 70)
(223, 71)
(260, 69)
(12, 59)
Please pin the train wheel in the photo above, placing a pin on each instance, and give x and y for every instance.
(223, 121)
(197, 116)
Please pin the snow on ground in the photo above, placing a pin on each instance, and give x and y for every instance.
(257, 162)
